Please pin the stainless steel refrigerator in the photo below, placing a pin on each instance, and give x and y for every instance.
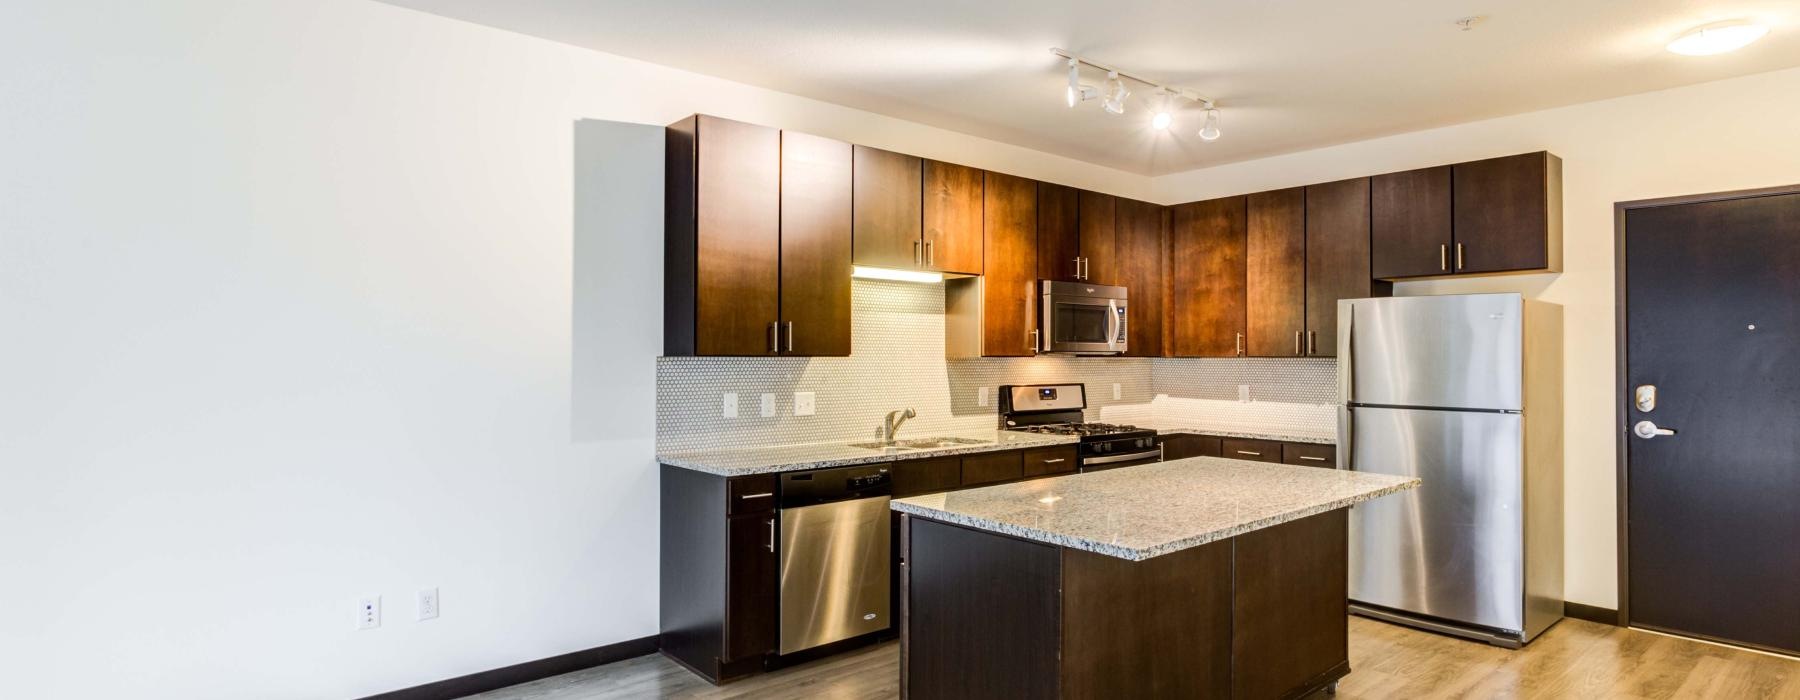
(1464, 392)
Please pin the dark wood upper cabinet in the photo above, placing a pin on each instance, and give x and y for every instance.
(1275, 273)
(1507, 214)
(1009, 294)
(1337, 258)
(1099, 238)
(1140, 265)
(815, 245)
(887, 224)
(1409, 215)
(1059, 228)
(722, 238)
(953, 219)
(1206, 266)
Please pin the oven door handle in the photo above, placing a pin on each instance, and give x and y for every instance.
(1112, 459)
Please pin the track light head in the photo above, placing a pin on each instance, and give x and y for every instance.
(1076, 93)
(1210, 130)
(1164, 111)
(1116, 93)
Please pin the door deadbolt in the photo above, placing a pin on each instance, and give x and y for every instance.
(1646, 398)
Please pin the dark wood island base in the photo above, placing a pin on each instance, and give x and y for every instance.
(1259, 615)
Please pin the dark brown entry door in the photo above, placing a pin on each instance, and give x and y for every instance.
(1712, 292)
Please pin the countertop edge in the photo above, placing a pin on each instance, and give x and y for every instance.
(702, 464)
(1137, 554)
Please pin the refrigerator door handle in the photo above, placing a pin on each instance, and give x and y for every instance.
(1346, 440)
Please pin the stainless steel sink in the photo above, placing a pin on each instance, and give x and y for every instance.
(920, 443)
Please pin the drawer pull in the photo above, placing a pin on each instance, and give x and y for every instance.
(1310, 458)
(1247, 452)
(1058, 460)
(749, 496)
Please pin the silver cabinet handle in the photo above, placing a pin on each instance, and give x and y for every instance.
(1077, 262)
(774, 331)
(1312, 342)
(1297, 350)
(1443, 257)
(790, 336)
(1034, 341)
(1311, 458)
(771, 534)
(1646, 430)
(1058, 460)
(1459, 259)
(1247, 452)
(918, 257)
(1240, 344)
(930, 255)
(749, 496)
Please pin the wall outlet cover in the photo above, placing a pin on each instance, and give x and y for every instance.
(368, 613)
(805, 403)
(1116, 392)
(1244, 393)
(768, 405)
(981, 396)
(428, 603)
(730, 405)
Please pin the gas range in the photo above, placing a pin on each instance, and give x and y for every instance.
(1056, 409)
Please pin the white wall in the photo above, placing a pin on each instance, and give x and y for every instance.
(287, 317)
(1727, 135)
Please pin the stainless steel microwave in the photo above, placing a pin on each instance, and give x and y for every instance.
(1082, 319)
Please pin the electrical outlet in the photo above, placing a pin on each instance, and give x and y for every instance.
(368, 613)
(730, 407)
(428, 603)
(1244, 393)
(1116, 393)
(805, 403)
(981, 396)
(768, 405)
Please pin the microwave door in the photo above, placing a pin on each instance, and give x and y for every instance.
(1081, 326)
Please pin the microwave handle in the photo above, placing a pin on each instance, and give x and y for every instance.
(1112, 324)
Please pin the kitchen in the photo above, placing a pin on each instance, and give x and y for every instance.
(1135, 374)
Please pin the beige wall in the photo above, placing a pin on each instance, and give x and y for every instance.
(1726, 135)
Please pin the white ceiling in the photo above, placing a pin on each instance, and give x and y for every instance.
(1289, 75)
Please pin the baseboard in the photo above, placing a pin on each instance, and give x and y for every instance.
(523, 673)
(1591, 613)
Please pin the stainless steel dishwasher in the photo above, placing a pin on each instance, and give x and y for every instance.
(834, 555)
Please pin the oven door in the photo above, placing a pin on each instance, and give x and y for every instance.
(1102, 462)
(1083, 325)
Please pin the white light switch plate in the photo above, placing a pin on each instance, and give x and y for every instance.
(730, 404)
(1244, 393)
(1116, 393)
(805, 403)
(981, 396)
(768, 405)
(368, 613)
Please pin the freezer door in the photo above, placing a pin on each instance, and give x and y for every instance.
(1452, 548)
(1459, 351)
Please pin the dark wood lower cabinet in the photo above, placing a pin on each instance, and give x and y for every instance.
(1051, 460)
(1309, 455)
(751, 592)
(718, 572)
(992, 468)
(1253, 450)
(916, 476)
(1183, 446)
(1260, 615)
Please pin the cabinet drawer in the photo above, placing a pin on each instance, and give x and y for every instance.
(915, 476)
(1050, 460)
(1185, 446)
(1309, 455)
(1253, 450)
(991, 468)
(750, 494)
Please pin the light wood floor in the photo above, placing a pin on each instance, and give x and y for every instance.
(1575, 659)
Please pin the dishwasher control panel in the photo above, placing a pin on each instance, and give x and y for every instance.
(835, 484)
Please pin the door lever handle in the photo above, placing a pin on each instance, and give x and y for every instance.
(1646, 430)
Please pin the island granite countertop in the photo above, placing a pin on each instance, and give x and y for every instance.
(1141, 512)
(788, 458)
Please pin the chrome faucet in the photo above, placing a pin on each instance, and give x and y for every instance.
(891, 426)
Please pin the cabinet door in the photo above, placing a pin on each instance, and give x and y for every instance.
(991, 467)
(1253, 450)
(1183, 446)
(1275, 273)
(953, 196)
(1507, 214)
(1409, 223)
(1009, 285)
(1337, 258)
(888, 199)
(1140, 266)
(737, 219)
(1059, 228)
(1099, 244)
(815, 245)
(751, 586)
(1308, 454)
(915, 476)
(1206, 300)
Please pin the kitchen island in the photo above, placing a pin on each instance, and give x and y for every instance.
(1196, 578)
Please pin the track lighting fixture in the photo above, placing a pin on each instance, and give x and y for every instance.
(1114, 93)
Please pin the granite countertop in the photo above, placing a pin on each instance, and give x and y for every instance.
(1141, 512)
(1277, 436)
(788, 458)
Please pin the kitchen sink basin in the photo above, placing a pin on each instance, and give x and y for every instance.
(920, 443)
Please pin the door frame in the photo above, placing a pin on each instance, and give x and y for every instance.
(1621, 339)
